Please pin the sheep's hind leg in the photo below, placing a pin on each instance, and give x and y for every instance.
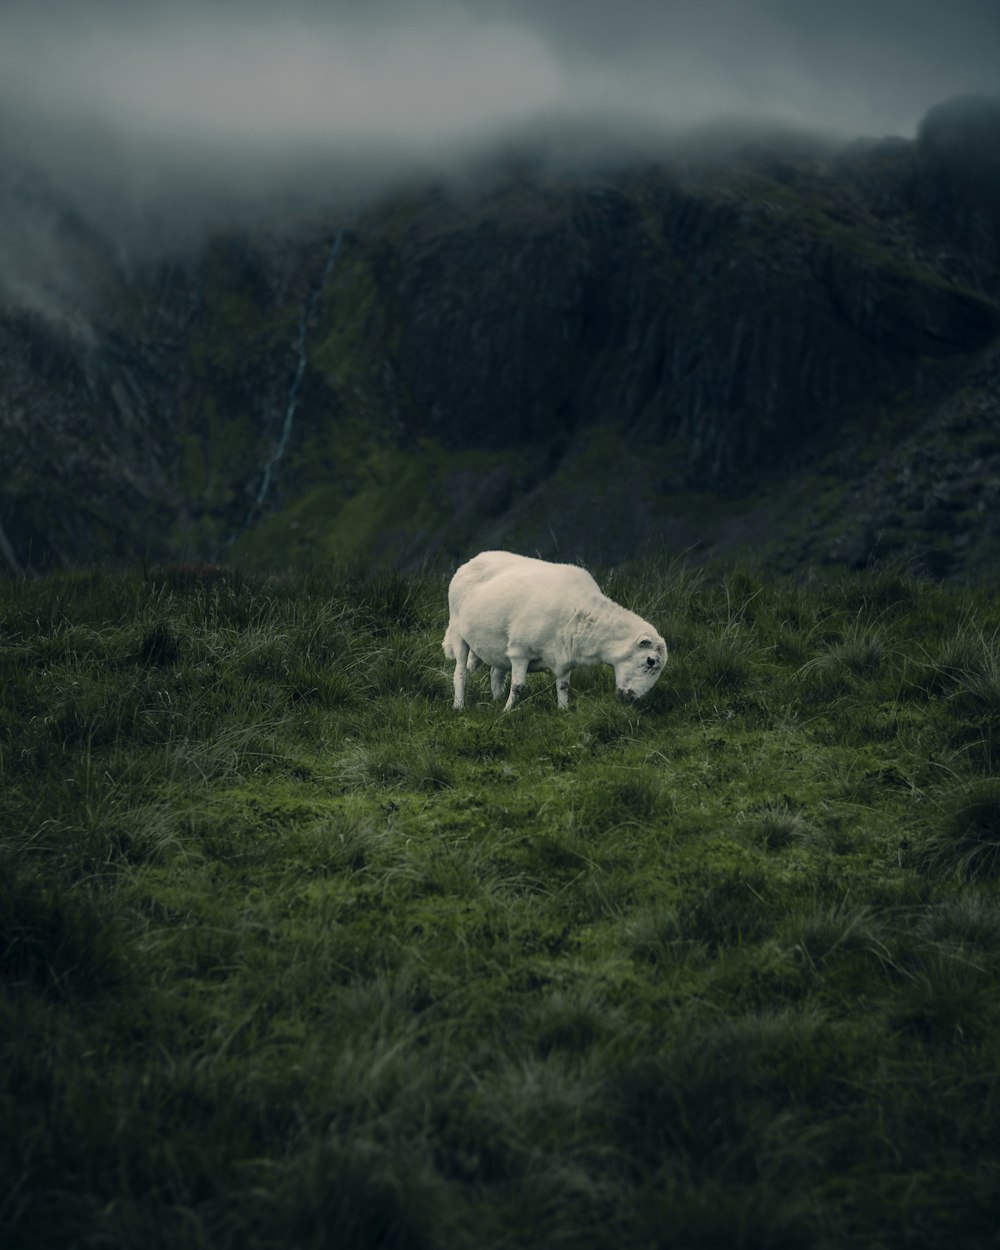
(498, 681)
(518, 677)
(461, 659)
(562, 689)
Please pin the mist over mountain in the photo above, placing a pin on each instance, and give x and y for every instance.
(191, 105)
(283, 289)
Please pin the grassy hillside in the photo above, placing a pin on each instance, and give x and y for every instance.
(293, 955)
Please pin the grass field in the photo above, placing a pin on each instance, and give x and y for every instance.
(294, 955)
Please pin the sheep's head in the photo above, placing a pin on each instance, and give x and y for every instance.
(640, 666)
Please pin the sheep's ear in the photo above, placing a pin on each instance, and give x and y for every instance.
(645, 642)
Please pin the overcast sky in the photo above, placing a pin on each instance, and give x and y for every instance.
(122, 85)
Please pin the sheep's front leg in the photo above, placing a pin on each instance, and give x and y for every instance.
(518, 677)
(562, 689)
(498, 681)
(461, 659)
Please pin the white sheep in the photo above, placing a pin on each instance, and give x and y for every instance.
(518, 614)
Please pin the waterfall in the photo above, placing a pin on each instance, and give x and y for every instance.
(295, 387)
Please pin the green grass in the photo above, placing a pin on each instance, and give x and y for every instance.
(294, 955)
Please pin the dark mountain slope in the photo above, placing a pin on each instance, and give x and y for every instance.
(743, 342)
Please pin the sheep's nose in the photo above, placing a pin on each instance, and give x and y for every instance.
(650, 662)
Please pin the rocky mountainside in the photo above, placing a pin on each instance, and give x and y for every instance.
(765, 341)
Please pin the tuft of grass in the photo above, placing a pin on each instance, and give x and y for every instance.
(967, 920)
(385, 764)
(730, 908)
(615, 798)
(860, 653)
(158, 645)
(831, 932)
(655, 933)
(964, 839)
(54, 939)
(572, 1022)
(954, 655)
(853, 657)
(948, 996)
(775, 825)
(724, 663)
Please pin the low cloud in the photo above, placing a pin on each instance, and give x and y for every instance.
(205, 108)
(262, 82)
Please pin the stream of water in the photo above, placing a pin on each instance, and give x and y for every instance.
(295, 387)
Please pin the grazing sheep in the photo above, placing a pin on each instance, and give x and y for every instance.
(519, 614)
